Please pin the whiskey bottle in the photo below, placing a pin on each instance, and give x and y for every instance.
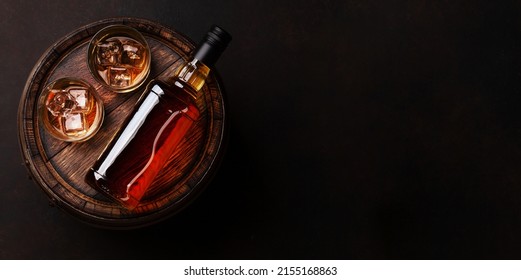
(161, 118)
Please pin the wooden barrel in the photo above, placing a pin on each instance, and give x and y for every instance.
(59, 168)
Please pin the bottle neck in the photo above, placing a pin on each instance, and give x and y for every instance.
(193, 74)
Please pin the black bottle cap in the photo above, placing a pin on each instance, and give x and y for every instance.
(212, 46)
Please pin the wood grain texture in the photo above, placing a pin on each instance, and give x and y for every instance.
(60, 167)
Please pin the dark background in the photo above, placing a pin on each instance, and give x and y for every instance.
(360, 130)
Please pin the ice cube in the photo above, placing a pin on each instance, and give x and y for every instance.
(74, 123)
(81, 96)
(133, 54)
(61, 104)
(109, 52)
(54, 108)
(119, 76)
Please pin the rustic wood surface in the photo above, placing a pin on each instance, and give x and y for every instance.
(60, 167)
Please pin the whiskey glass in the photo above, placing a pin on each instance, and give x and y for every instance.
(70, 110)
(119, 58)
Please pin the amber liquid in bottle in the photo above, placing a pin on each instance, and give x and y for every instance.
(160, 120)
